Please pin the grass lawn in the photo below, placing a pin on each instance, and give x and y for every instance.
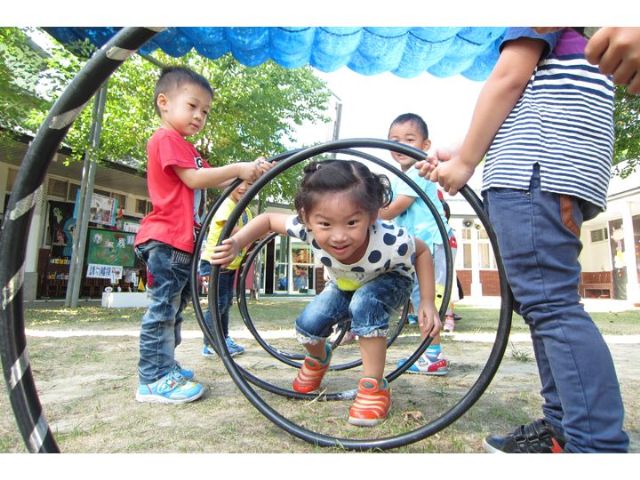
(280, 314)
(86, 384)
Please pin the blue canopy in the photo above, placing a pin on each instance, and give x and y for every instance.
(441, 51)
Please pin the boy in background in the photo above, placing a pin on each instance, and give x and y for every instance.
(411, 212)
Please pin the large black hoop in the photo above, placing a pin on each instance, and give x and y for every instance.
(242, 377)
(27, 188)
(292, 158)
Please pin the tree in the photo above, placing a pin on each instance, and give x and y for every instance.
(23, 79)
(627, 128)
(254, 109)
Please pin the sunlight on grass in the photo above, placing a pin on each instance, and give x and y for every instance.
(278, 314)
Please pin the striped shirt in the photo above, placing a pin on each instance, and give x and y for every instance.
(563, 121)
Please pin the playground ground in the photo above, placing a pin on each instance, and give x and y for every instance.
(84, 364)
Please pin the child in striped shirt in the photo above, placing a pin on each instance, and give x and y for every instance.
(545, 121)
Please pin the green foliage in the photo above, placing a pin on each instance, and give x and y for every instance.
(19, 72)
(31, 78)
(627, 127)
(254, 112)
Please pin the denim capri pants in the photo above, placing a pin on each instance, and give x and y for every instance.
(369, 308)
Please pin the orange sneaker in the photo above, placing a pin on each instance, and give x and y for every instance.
(311, 373)
(372, 403)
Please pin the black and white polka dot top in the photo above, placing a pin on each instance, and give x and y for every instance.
(390, 248)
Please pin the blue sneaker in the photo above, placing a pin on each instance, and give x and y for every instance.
(233, 347)
(172, 388)
(208, 351)
(426, 366)
(185, 372)
(412, 319)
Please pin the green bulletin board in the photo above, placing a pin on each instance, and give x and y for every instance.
(110, 247)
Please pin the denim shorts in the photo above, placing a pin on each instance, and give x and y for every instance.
(369, 307)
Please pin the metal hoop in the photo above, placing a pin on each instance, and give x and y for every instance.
(25, 402)
(250, 194)
(242, 378)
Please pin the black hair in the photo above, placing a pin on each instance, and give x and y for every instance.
(172, 77)
(370, 191)
(415, 119)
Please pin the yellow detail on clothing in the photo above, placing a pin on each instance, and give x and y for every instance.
(217, 224)
(347, 284)
(439, 295)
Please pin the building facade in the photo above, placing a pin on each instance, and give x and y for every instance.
(119, 203)
(610, 258)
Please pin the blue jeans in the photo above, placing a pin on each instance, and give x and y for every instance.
(225, 296)
(539, 238)
(369, 308)
(168, 288)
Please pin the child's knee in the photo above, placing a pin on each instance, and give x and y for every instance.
(369, 317)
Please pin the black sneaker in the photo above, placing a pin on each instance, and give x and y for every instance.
(537, 437)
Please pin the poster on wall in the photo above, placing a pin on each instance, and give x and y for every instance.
(61, 225)
(110, 247)
(103, 210)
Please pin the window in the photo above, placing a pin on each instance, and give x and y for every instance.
(142, 206)
(478, 239)
(281, 270)
(302, 270)
(487, 260)
(73, 192)
(466, 255)
(57, 188)
(599, 235)
(122, 200)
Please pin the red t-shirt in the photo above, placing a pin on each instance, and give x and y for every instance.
(176, 207)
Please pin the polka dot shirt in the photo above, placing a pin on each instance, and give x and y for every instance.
(390, 249)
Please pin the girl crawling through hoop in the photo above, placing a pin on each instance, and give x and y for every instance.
(370, 264)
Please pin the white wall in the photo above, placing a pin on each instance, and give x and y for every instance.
(595, 257)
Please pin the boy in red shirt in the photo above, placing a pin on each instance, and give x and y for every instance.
(176, 175)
